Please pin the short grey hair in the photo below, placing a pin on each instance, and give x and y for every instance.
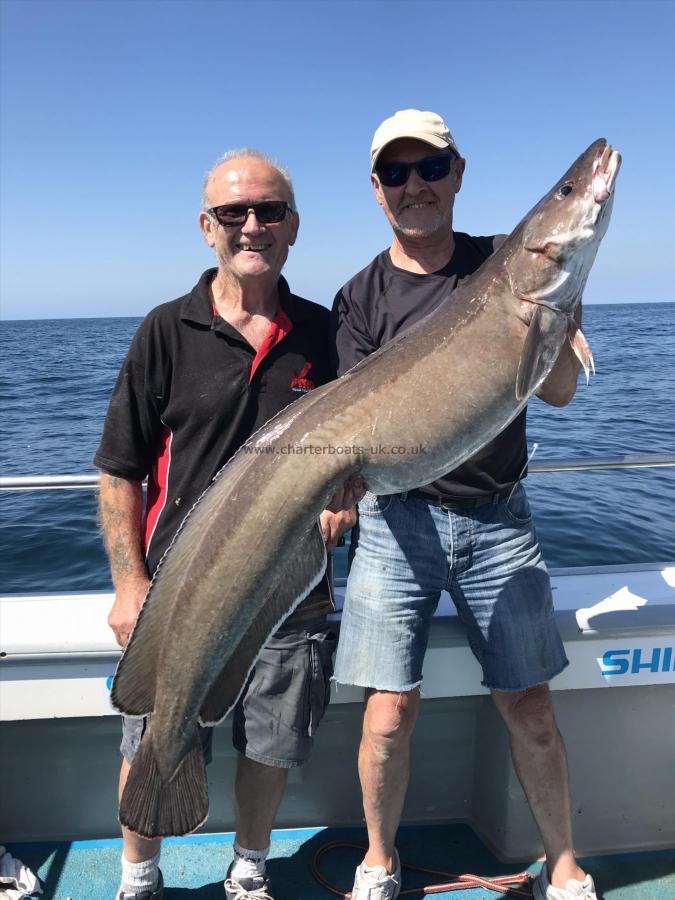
(246, 153)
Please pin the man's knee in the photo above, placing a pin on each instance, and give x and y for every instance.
(390, 718)
(529, 715)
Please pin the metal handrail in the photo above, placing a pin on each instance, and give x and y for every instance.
(573, 464)
(591, 463)
(48, 482)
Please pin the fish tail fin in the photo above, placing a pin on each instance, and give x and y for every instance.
(153, 807)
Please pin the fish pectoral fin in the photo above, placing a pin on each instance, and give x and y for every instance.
(298, 575)
(581, 349)
(535, 356)
(156, 808)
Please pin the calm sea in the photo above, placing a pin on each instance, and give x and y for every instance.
(56, 377)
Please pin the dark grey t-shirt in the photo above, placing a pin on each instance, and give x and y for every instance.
(382, 300)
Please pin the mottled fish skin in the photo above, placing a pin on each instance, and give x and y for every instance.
(448, 384)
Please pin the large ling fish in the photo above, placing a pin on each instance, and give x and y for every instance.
(251, 548)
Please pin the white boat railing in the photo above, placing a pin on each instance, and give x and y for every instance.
(571, 464)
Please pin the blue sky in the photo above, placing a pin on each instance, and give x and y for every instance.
(112, 111)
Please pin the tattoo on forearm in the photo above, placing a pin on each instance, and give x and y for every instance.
(120, 520)
(110, 515)
(119, 556)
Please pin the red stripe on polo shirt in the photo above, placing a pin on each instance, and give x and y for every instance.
(280, 326)
(158, 481)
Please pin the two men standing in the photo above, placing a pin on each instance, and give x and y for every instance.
(205, 371)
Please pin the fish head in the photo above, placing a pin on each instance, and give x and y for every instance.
(555, 244)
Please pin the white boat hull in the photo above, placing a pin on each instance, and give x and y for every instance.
(59, 736)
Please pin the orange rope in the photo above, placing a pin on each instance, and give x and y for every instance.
(508, 885)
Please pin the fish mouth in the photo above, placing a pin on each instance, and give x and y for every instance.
(605, 170)
(596, 202)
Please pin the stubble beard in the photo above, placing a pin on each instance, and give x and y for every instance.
(420, 231)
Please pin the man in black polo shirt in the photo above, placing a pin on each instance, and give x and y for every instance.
(469, 533)
(202, 374)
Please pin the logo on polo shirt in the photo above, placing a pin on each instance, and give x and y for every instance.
(301, 383)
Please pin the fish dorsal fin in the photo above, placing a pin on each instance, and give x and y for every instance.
(133, 688)
(536, 354)
(297, 577)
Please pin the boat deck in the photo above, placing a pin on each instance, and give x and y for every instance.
(194, 866)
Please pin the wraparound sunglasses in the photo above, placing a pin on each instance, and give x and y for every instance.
(431, 168)
(267, 212)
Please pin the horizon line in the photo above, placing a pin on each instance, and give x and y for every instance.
(142, 315)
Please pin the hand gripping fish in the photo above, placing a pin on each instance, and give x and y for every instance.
(250, 549)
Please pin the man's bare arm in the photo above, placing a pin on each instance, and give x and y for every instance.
(561, 383)
(120, 506)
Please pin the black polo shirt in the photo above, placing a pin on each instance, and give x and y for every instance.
(192, 390)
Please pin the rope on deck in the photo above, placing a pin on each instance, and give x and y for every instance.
(507, 885)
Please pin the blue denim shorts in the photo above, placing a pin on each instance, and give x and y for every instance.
(487, 558)
(276, 718)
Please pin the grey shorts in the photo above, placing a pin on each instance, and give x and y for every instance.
(277, 716)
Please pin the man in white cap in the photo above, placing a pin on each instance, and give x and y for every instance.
(469, 532)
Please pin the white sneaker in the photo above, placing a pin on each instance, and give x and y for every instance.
(374, 883)
(256, 888)
(542, 889)
(157, 893)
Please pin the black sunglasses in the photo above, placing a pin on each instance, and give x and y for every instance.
(431, 168)
(267, 212)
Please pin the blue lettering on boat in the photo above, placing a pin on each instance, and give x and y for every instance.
(632, 662)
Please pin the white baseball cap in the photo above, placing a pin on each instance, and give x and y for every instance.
(412, 123)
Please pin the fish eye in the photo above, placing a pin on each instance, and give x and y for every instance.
(565, 190)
